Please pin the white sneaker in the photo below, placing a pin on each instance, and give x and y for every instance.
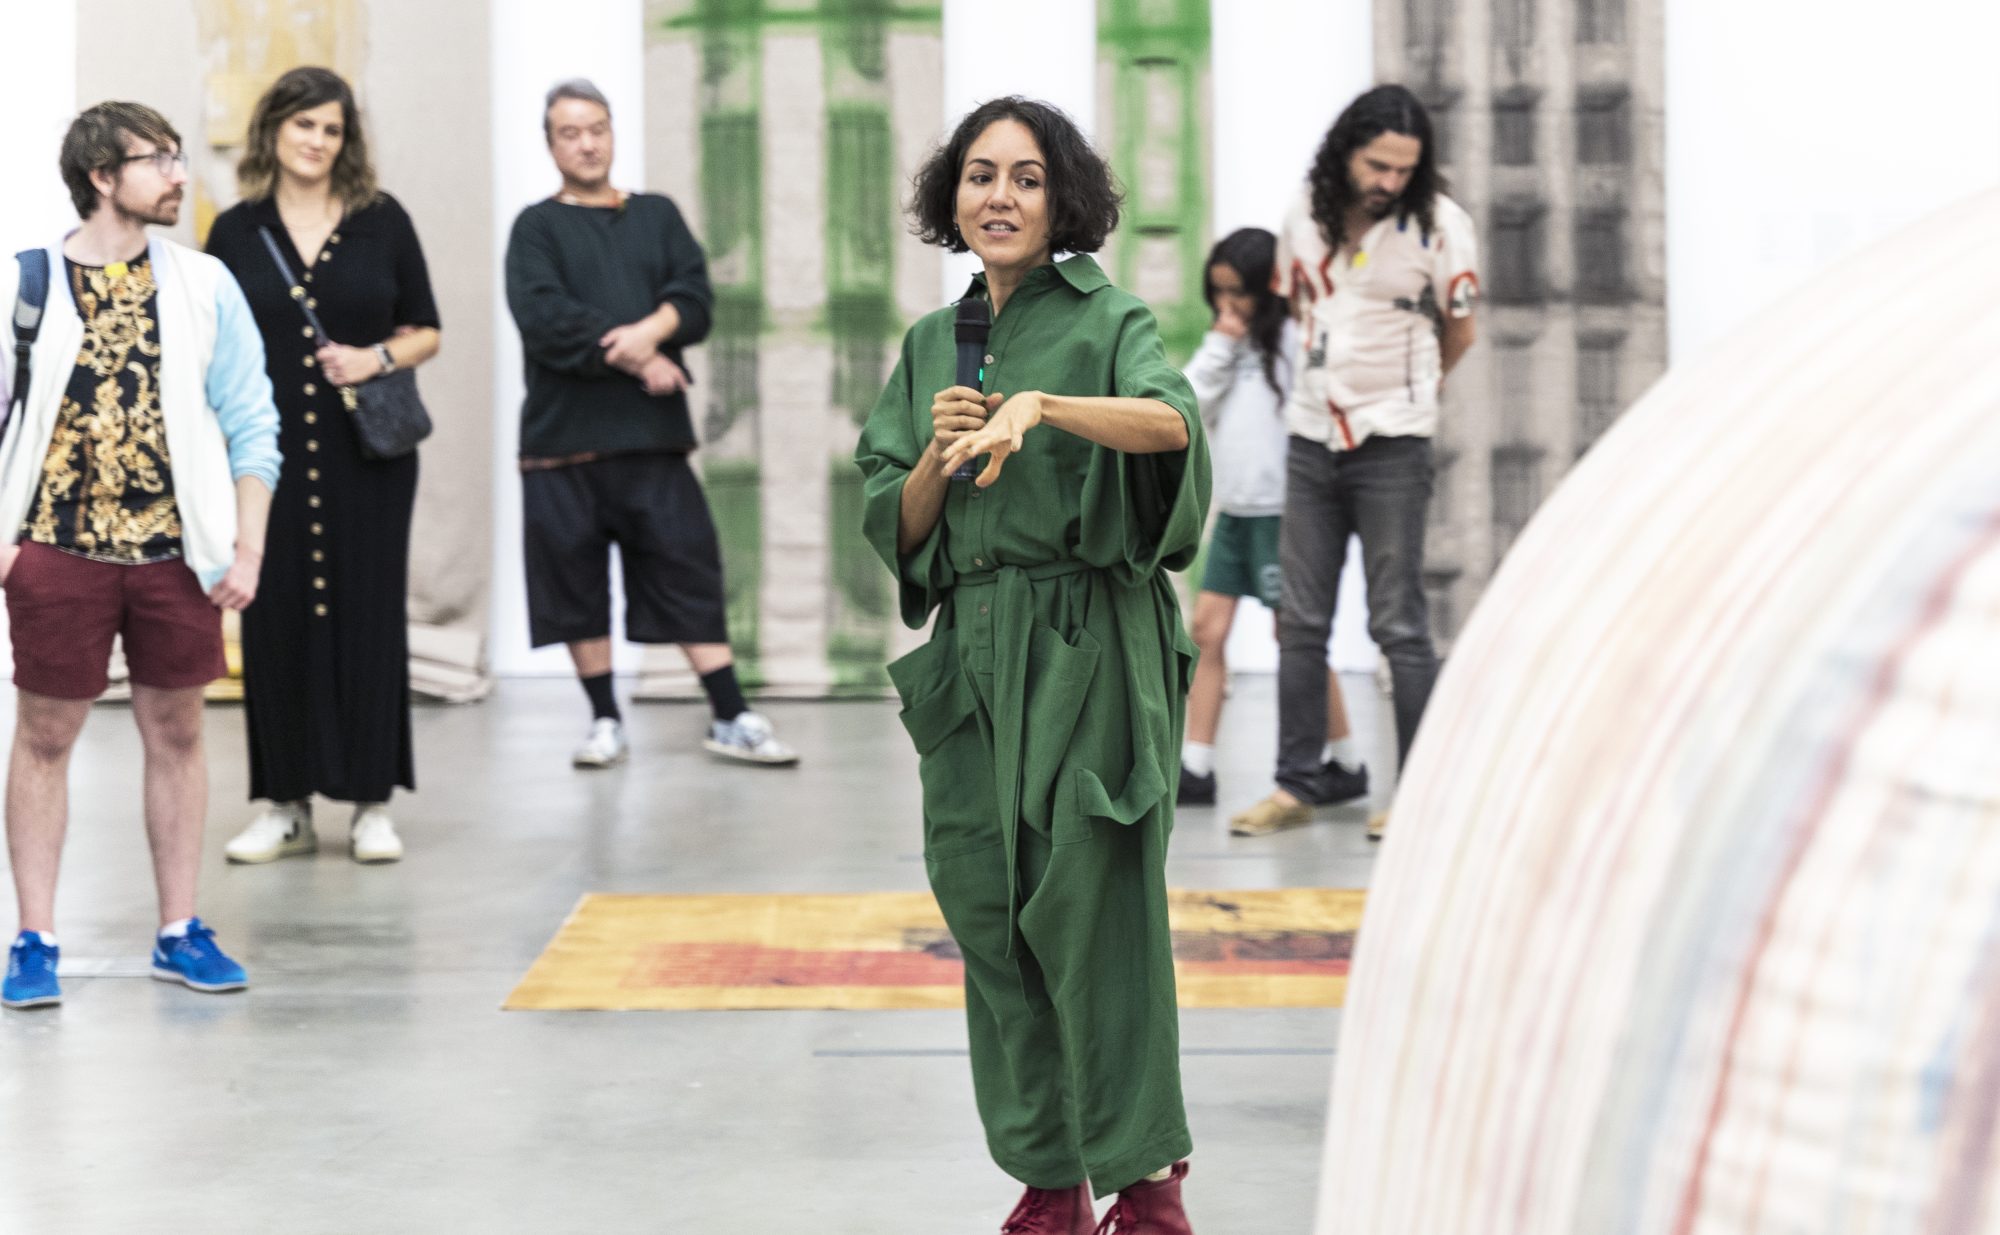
(604, 747)
(373, 837)
(748, 738)
(284, 830)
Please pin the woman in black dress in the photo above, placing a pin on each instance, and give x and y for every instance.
(325, 648)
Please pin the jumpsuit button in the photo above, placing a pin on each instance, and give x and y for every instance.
(319, 555)
(982, 611)
(310, 302)
(309, 276)
(312, 418)
(319, 610)
(320, 584)
(312, 444)
(311, 390)
(312, 473)
(319, 529)
(313, 501)
(989, 358)
(308, 362)
(979, 561)
(307, 331)
(334, 239)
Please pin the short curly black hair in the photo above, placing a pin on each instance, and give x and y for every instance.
(1084, 197)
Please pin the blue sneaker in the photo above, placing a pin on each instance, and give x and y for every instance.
(31, 973)
(194, 961)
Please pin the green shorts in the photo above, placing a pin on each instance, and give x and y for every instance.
(1243, 558)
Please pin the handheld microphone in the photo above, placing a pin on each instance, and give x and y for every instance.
(972, 326)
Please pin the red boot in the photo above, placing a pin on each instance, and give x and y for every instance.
(1148, 1208)
(1042, 1212)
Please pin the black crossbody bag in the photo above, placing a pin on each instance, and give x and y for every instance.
(389, 416)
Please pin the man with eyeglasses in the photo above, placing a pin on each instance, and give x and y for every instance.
(136, 471)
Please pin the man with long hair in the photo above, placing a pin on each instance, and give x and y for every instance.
(1382, 271)
(135, 481)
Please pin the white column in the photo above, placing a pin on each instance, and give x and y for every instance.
(534, 47)
(1044, 49)
(1283, 70)
(1799, 131)
(1271, 114)
(38, 98)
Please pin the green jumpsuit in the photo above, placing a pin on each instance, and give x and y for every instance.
(1046, 710)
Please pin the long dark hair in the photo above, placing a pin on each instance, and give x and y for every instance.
(1083, 195)
(1250, 252)
(1385, 109)
(303, 89)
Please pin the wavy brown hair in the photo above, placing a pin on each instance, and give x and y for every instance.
(1385, 109)
(1083, 195)
(300, 90)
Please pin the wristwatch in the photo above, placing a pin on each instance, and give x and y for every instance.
(382, 354)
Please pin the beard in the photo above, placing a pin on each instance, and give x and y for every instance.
(1377, 204)
(162, 211)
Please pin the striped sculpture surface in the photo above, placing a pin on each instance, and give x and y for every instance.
(1689, 916)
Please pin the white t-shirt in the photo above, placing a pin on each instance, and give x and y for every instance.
(1245, 419)
(1371, 363)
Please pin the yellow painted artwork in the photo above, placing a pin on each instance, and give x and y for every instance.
(1280, 948)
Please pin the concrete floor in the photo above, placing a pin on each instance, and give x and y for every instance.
(368, 1083)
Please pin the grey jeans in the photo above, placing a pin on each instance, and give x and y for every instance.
(1381, 492)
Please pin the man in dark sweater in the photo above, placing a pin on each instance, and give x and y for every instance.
(607, 288)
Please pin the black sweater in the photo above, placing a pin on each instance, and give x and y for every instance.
(574, 272)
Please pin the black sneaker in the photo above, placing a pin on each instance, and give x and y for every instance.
(1343, 784)
(1195, 790)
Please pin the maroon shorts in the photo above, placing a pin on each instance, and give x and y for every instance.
(63, 612)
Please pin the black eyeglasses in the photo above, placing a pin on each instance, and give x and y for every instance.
(163, 161)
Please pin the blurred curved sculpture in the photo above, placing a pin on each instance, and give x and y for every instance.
(1689, 921)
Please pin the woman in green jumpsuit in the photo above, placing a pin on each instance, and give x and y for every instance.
(1046, 708)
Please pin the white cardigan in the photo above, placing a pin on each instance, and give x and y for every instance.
(215, 397)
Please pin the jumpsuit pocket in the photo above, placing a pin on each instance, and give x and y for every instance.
(936, 697)
(1060, 674)
(954, 759)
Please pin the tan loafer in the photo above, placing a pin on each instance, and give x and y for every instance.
(1270, 815)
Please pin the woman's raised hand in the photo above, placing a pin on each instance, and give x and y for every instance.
(999, 437)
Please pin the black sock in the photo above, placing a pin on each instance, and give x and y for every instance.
(603, 704)
(724, 695)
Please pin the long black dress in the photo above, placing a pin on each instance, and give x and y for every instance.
(326, 676)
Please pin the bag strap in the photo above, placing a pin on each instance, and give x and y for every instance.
(30, 299)
(298, 292)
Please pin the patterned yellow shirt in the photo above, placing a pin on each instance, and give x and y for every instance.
(107, 487)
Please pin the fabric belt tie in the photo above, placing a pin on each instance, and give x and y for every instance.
(1013, 634)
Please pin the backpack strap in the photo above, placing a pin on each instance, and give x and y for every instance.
(29, 302)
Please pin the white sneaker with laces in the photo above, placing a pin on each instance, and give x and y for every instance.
(749, 739)
(372, 838)
(605, 745)
(284, 830)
